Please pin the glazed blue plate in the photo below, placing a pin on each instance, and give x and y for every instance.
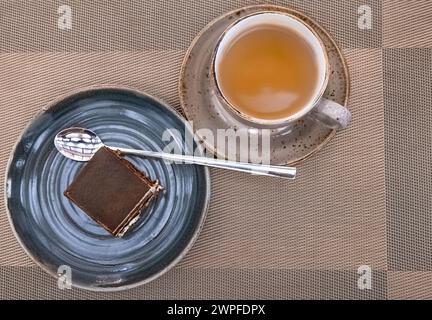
(54, 232)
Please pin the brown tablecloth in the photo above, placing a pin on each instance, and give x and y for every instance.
(365, 199)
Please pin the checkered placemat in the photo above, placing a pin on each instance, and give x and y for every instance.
(365, 199)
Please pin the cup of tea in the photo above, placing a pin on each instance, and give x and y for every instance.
(272, 69)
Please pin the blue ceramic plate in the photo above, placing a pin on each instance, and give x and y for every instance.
(55, 232)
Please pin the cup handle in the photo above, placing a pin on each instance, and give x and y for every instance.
(331, 114)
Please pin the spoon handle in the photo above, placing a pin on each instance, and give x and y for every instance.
(267, 170)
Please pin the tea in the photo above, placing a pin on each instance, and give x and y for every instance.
(268, 73)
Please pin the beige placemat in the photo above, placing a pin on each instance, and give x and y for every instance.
(263, 238)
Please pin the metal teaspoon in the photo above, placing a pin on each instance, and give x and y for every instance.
(81, 144)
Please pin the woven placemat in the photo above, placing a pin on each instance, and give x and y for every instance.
(362, 200)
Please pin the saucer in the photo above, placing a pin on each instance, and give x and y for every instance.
(54, 232)
(206, 111)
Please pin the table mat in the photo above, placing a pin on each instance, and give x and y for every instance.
(362, 200)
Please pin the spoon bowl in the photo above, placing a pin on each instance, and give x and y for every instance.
(77, 143)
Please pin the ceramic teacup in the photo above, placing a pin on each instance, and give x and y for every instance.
(326, 111)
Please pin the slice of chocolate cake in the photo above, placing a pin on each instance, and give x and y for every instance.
(112, 191)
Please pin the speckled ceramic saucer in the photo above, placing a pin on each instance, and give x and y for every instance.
(205, 108)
